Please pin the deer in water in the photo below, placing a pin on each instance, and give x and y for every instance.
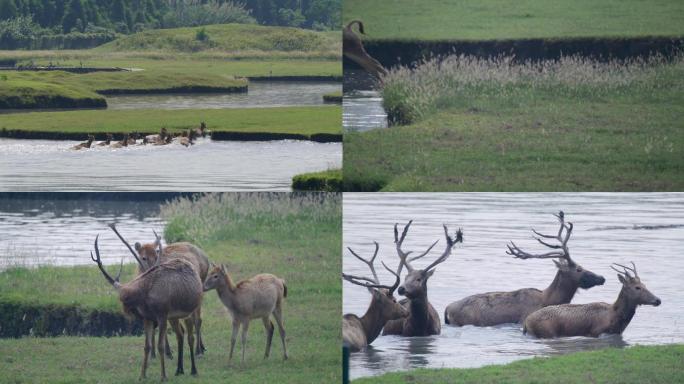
(147, 255)
(158, 139)
(122, 143)
(359, 332)
(188, 138)
(84, 145)
(423, 319)
(595, 318)
(202, 130)
(107, 141)
(352, 47)
(169, 291)
(492, 308)
(260, 296)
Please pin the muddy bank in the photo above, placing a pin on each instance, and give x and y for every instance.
(219, 136)
(23, 319)
(50, 101)
(395, 52)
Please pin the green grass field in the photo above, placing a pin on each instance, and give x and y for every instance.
(500, 19)
(296, 120)
(639, 364)
(295, 237)
(491, 126)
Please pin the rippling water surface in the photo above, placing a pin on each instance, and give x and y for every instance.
(645, 228)
(362, 111)
(43, 165)
(62, 231)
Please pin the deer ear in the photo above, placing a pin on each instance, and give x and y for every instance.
(138, 246)
(622, 279)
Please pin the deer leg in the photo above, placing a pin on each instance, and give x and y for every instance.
(245, 328)
(161, 344)
(154, 350)
(233, 337)
(167, 347)
(269, 335)
(278, 314)
(178, 330)
(189, 324)
(198, 328)
(149, 332)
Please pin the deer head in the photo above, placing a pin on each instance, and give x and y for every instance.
(146, 255)
(635, 291)
(415, 282)
(383, 295)
(574, 272)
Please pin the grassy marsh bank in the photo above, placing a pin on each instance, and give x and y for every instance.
(479, 124)
(495, 19)
(304, 122)
(639, 364)
(296, 237)
(328, 181)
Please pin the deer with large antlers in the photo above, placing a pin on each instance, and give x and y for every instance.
(593, 319)
(352, 47)
(147, 255)
(423, 319)
(169, 291)
(359, 332)
(492, 308)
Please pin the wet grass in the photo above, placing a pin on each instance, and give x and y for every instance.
(497, 19)
(296, 237)
(292, 120)
(639, 364)
(497, 126)
(328, 181)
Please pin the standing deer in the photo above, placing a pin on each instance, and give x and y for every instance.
(84, 145)
(359, 332)
(147, 255)
(258, 297)
(492, 308)
(352, 47)
(595, 318)
(423, 319)
(171, 291)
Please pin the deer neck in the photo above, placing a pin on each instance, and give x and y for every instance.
(623, 310)
(227, 288)
(561, 290)
(373, 321)
(418, 308)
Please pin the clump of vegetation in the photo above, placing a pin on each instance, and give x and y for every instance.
(193, 13)
(412, 94)
(328, 181)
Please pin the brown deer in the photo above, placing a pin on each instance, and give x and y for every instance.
(84, 145)
(593, 319)
(202, 130)
(359, 332)
(423, 319)
(492, 308)
(257, 297)
(147, 255)
(107, 141)
(122, 143)
(158, 139)
(352, 47)
(168, 291)
(187, 139)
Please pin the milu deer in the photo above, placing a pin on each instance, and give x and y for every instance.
(84, 145)
(122, 143)
(147, 255)
(593, 319)
(156, 139)
(359, 332)
(423, 319)
(493, 308)
(260, 296)
(352, 47)
(169, 291)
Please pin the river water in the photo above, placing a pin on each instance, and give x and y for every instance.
(58, 231)
(43, 165)
(645, 228)
(361, 104)
(261, 94)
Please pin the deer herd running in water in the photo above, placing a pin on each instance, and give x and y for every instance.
(543, 313)
(185, 138)
(169, 287)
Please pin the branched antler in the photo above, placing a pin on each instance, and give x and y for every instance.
(450, 244)
(114, 281)
(133, 252)
(399, 241)
(375, 281)
(561, 251)
(625, 270)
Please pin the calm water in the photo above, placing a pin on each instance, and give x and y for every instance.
(61, 232)
(362, 111)
(42, 165)
(604, 232)
(261, 94)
